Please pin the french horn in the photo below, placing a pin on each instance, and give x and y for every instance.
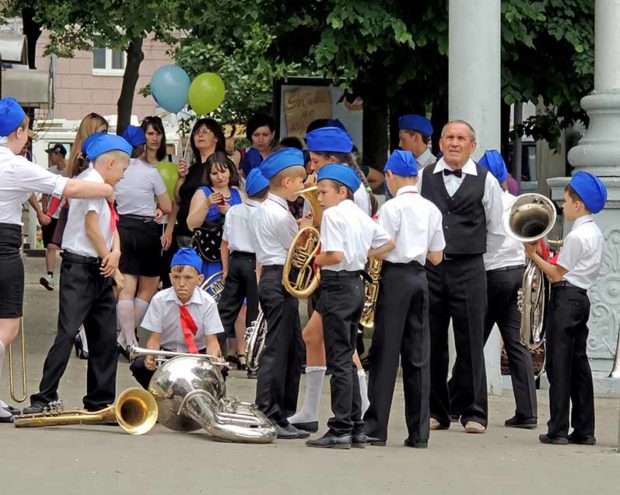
(300, 277)
(530, 218)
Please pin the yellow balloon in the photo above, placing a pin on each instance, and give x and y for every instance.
(170, 174)
(206, 93)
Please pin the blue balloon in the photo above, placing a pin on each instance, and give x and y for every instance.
(170, 87)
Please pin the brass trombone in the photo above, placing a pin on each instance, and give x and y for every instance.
(12, 392)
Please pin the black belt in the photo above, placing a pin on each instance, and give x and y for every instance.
(456, 257)
(78, 258)
(139, 218)
(272, 268)
(331, 274)
(412, 263)
(506, 268)
(243, 254)
(564, 284)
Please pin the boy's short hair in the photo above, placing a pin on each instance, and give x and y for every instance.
(180, 268)
(574, 195)
(336, 184)
(260, 195)
(293, 172)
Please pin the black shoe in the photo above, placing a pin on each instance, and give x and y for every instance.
(553, 440)
(252, 375)
(416, 444)
(311, 426)
(359, 440)
(122, 351)
(289, 432)
(331, 441)
(7, 419)
(375, 441)
(241, 362)
(34, 409)
(13, 410)
(516, 422)
(581, 439)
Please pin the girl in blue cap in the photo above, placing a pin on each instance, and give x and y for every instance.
(570, 378)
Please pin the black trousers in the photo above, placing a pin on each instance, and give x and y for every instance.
(240, 284)
(502, 288)
(340, 306)
(86, 297)
(401, 329)
(567, 366)
(278, 377)
(458, 292)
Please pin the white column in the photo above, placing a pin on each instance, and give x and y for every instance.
(474, 83)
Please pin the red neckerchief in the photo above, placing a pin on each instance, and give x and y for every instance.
(113, 216)
(189, 329)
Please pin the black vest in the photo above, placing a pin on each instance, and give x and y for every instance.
(464, 220)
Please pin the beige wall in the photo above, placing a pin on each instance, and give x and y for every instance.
(79, 92)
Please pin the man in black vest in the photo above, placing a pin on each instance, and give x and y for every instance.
(470, 201)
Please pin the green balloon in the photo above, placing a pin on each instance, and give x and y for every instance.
(206, 93)
(170, 174)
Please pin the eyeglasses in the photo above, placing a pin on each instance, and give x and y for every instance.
(203, 130)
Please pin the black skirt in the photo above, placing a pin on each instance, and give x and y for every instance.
(11, 271)
(140, 246)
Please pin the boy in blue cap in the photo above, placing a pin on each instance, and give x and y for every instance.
(576, 270)
(414, 134)
(91, 253)
(239, 262)
(401, 317)
(274, 228)
(182, 318)
(348, 237)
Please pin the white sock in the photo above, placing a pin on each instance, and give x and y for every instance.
(361, 377)
(127, 320)
(83, 337)
(312, 397)
(3, 412)
(140, 307)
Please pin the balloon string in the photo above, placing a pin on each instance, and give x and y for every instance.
(187, 146)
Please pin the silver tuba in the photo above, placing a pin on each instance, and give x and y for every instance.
(530, 218)
(255, 340)
(191, 394)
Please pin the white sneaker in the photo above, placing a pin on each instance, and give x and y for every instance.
(47, 282)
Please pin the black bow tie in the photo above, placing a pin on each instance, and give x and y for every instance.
(457, 173)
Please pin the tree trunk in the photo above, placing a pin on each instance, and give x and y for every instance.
(32, 31)
(135, 56)
(439, 118)
(375, 129)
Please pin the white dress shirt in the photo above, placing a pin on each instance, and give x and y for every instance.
(238, 226)
(137, 190)
(164, 316)
(414, 223)
(491, 199)
(503, 251)
(274, 229)
(345, 228)
(19, 178)
(582, 253)
(425, 159)
(74, 238)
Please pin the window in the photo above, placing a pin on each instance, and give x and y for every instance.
(108, 62)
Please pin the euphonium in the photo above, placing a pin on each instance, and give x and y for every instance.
(191, 393)
(135, 411)
(302, 252)
(530, 218)
(255, 340)
(214, 285)
(162, 356)
(371, 292)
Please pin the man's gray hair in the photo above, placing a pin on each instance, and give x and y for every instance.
(463, 122)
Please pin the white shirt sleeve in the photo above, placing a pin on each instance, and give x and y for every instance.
(571, 252)
(332, 235)
(226, 232)
(159, 187)
(210, 321)
(388, 220)
(153, 319)
(380, 236)
(436, 240)
(493, 209)
(94, 204)
(284, 230)
(32, 178)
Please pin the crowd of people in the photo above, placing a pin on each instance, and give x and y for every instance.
(134, 256)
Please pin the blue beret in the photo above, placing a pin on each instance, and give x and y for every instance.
(134, 135)
(106, 143)
(341, 173)
(414, 122)
(402, 163)
(281, 159)
(250, 161)
(90, 139)
(186, 256)
(494, 163)
(255, 182)
(591, 190)
(326, 139)
(335, 123)
(11, 115)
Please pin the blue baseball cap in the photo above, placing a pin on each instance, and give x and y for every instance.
(134, 135)
(105, 144)
(402, 163)
(11, 115)
(255, 182)
(186, 256)
(326, 139)
(494, 163)
(341, 173)
(281, 159)
(415, 122)
(591, 190)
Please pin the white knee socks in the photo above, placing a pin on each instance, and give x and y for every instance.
(3, 412)
(312, 397)
(140, 307)
(361, 377)
(127, 320)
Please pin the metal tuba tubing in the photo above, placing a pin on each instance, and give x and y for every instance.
(136, 352)
(255, 340)
(22, 361)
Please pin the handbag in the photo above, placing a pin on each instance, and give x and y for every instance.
(207, 241)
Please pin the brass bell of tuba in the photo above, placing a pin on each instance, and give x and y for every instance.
(371, 292)
(300, 277)
(135, 411)
(191, 394)
(530, 218)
